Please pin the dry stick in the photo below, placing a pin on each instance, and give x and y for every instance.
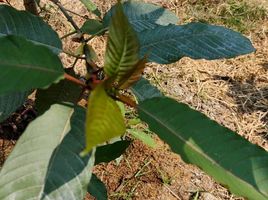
(68, 34)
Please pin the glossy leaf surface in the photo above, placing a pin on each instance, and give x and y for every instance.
(31, 27)
(25, 65)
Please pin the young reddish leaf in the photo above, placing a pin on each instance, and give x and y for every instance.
(122, 48)
(104, 120)
(133, 75)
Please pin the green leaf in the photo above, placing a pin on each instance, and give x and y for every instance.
(10, 102)
(144, 16)
(31, 27)
(229, 158)
(109, 152)
(97, 188)
(25, 66)
(144, 90)
(64, 91)
(45, 162)
(104, 119)
(91, 7)
(93, 27)
(168, 44)
(122, 48)
(144, 137)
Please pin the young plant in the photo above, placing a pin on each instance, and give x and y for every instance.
(54, 157)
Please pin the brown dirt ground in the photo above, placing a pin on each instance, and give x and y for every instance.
(233, 92)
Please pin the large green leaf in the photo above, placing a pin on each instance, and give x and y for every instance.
(10, 102)
(122, 48)
(31, 27)
(167, 44)
(64, 91)
(109, 152)
(229, 158)
(104, 119)
(45, 162)
(144, 90)
(144, 16)
(97, 188)
(25, 65)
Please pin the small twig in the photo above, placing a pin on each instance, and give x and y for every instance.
(74, 80)
(65, 13)
(68, 34)
(126, 100)
(91, 37)
(74, 13)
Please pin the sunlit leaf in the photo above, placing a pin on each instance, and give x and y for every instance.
(104, 119)
(31, 27)
(144, 16)
(45, 163)
(122, 48)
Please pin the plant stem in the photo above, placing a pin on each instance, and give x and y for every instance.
(68, 34)
(65, 13)
(74, 80)
(126, 100)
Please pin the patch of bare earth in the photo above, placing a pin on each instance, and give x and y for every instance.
(233, 92)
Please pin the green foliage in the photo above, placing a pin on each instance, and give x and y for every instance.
(91, 7)
(242, 166)
(28, 26)
(143, 16)
(61, 92)
(104, 119)
(97, 189)
(167, 44)
(92, 27)
(46, 162)
(34, 66)
(109, 152)
(10, 102)
(122, 48)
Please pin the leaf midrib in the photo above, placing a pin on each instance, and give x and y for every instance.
(26, 66)
(196, 149)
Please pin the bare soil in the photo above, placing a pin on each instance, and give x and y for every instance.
(233, 92)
